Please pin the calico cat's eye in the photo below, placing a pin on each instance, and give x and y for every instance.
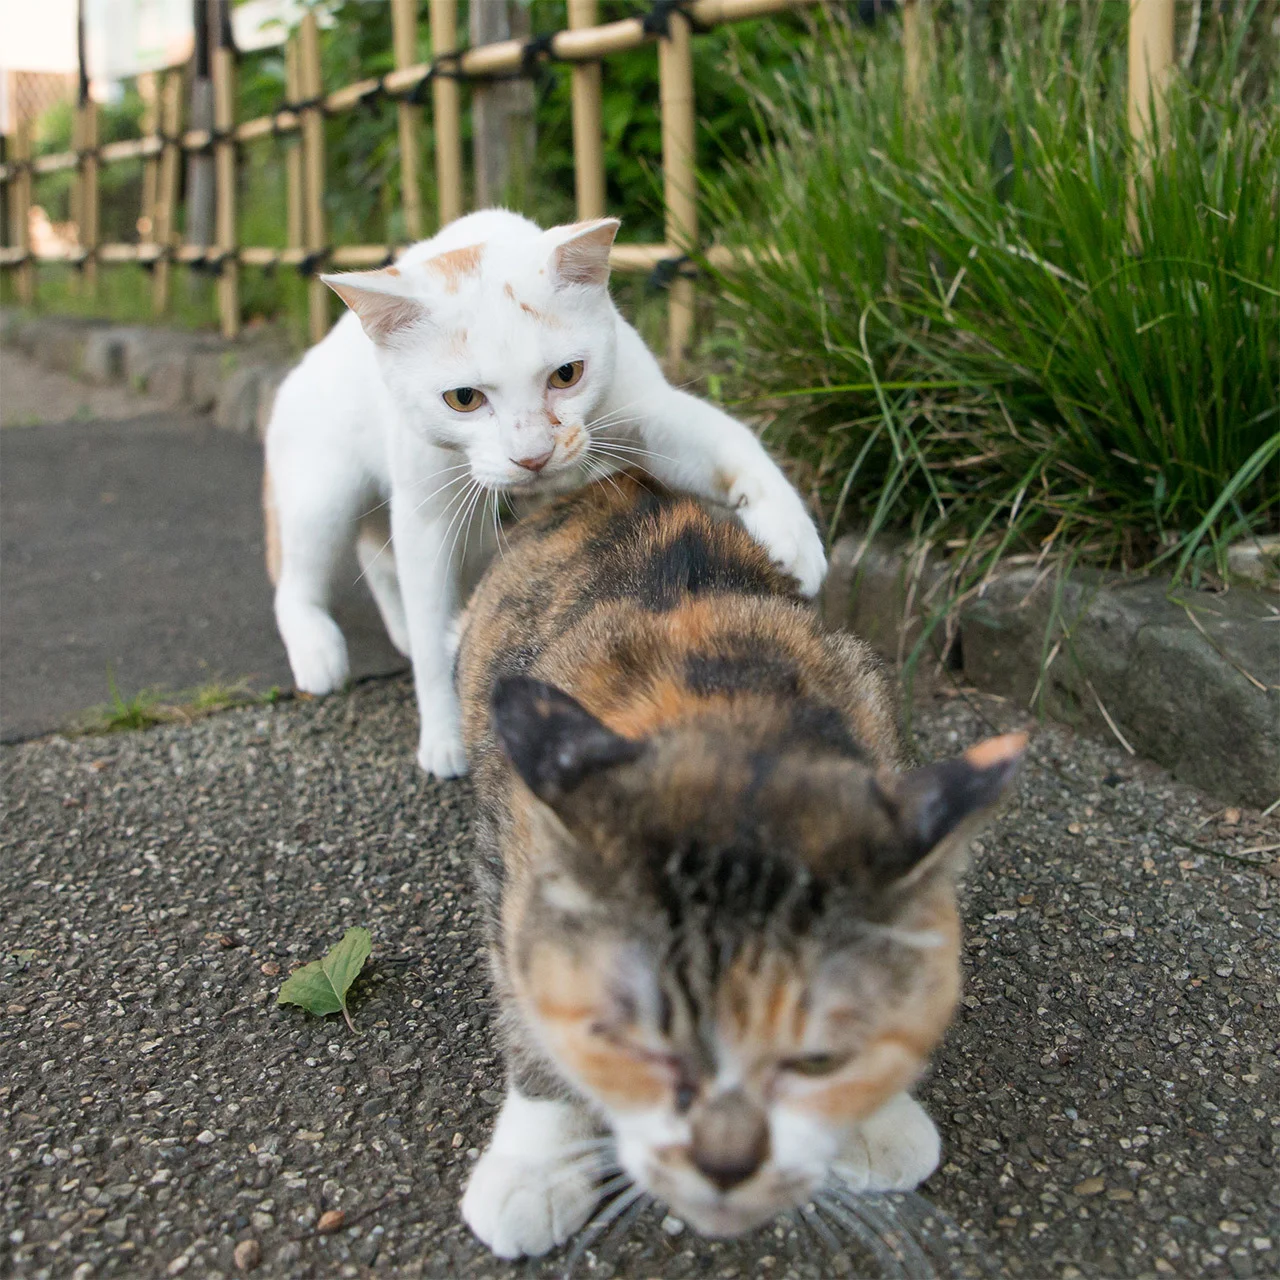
(566, 375)
(815, 1064)
(464, 399)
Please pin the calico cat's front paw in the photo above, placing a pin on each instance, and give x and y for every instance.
(441, 753)
(533, 1187)
(782, 526)
(524, 1208)
(894, 1150)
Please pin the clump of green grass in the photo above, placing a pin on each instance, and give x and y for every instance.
(952, 322)
(150, 707)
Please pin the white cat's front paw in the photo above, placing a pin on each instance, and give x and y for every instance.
(782, 526)
(317, 654)
(894, 1150)
(525, 1207)
(441, 753)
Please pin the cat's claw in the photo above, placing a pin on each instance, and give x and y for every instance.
(894, 1150)
(524, 1208)
(442, 755)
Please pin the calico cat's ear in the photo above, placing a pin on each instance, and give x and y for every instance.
(554, 742)
(378, 298)
(581, 253)
(934, 809)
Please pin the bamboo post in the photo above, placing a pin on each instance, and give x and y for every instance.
(1151, 61)
(20, 212)
(313, 169)
(913, 54)
(446, 102)
(224, 118)
(679, 191)
(588, 133)
(166, 187)
(149, 92)
(404, 27)
(295, 194)
(90, 210)
(1150, 65)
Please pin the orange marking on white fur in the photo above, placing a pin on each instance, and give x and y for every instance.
(456, 264)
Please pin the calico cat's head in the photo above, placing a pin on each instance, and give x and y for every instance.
(502, 351)
(736, 950)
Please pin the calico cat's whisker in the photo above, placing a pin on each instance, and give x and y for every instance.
(600, 1143)
(857, 1216)
(809, 1217)
(600, 1224)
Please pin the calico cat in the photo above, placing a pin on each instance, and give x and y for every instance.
(489, 360)
(720, 901)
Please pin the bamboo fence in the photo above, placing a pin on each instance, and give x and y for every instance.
(671, 24)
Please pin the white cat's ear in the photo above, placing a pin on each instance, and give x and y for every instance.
(581, 253)
(379, 299)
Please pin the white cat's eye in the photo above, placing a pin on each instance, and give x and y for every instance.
(566, 375)
(815, 1064)
(464, 399)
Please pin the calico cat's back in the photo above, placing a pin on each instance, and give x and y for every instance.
(650, 608)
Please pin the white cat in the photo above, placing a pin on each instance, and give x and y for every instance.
(488, 360)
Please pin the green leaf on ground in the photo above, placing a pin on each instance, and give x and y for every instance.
(321, 986)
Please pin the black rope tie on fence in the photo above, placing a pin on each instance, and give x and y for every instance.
(390, 258)
(310, 265)
(535, 54)
(666, 272)
(657, 22)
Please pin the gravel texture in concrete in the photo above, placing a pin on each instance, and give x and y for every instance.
(1109, 1096)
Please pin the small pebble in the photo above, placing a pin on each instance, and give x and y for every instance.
(270, 968)
(672, 1226)
(248, 1254)
(205, 1137)
(1090, 1187)
(330, 1221)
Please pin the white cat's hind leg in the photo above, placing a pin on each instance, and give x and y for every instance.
(534, 1186)
(316, 527)
(378, 568)
(894, 1150)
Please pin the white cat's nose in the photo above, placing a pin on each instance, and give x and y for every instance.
(537, 462)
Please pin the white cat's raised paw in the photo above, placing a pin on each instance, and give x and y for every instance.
(894, 1150)
(524, 1208)
(786, 532)
(442, 754)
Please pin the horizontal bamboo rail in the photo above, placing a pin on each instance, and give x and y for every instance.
(669, 25)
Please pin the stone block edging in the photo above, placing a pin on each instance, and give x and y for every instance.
(234, 381)
(1190, 679)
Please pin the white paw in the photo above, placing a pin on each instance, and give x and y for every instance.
(894, 1150)
(440, 753)
(523, 1207)
(317, 654)
(782, 526)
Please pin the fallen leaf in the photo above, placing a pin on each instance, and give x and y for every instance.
(331, 1220)
(321, 987)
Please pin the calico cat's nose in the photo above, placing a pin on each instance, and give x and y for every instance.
(537, 462)
(730, 1139)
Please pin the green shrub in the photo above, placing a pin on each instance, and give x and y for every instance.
(954, 325)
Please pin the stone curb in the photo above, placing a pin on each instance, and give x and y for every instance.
(1188, 678)
(234, 381)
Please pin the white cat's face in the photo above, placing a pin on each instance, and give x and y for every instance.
(500, 352)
